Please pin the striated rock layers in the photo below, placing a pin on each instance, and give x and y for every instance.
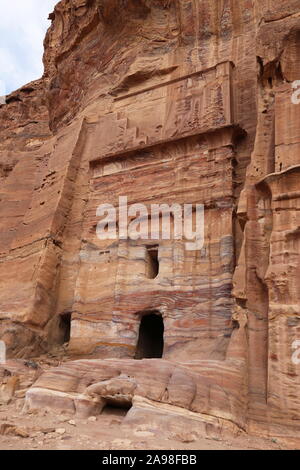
(162, 101)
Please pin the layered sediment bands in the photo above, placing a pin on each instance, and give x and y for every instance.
(164, 102)
(86, 387)
(268, 209)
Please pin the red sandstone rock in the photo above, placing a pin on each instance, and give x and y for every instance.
(165, 102)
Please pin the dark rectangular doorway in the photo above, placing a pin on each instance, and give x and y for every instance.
(151, 336)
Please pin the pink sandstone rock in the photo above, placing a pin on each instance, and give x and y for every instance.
(162, 102)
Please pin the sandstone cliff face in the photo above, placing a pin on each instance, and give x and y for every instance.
(162, 101)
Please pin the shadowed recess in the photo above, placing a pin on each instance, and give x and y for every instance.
(151, 337)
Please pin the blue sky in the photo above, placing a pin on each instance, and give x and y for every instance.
(23, 24)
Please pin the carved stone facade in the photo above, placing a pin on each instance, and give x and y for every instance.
(186, 102)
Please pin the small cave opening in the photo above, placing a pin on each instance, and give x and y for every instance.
(115, 408)
(151, 337)
(65, 327)
(117, 411)
(152, 262)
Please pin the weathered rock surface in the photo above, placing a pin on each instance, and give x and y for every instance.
(200, 393)
(163, 102)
